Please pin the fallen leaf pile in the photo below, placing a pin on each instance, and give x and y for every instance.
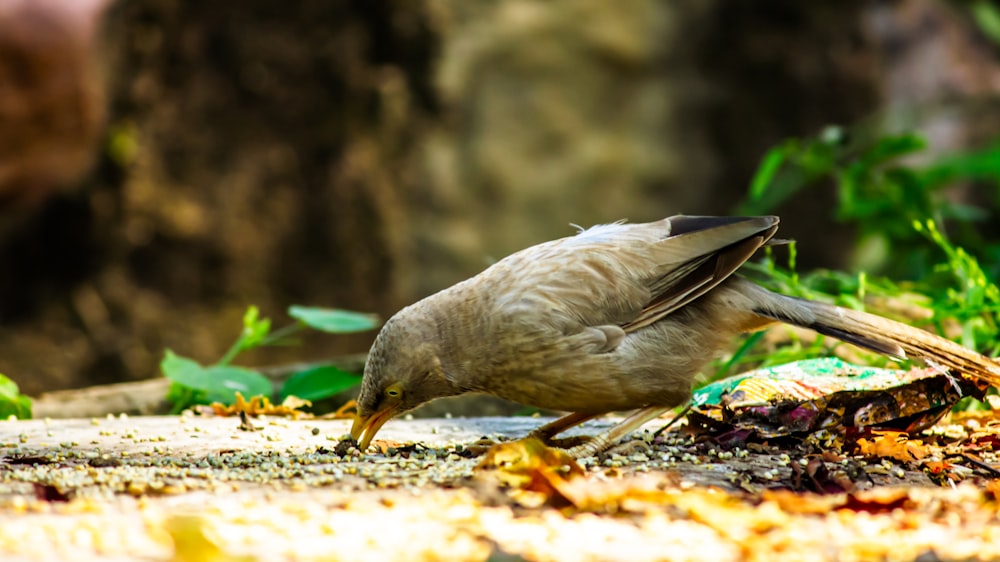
(281, 493)
(259, 406)
(290, 407)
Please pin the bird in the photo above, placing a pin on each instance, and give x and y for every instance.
(618, 317)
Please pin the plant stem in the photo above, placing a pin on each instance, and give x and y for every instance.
(232, 352)
(281, 333)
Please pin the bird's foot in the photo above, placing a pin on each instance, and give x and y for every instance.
(598, 446)
(546, 432)
(601, 442)
(589, 448)
(567, 442)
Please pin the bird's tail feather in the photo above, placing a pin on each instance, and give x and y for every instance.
(876, 333)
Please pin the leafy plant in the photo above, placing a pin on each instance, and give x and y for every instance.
(12, 402)
(882, 193)
(972, 299)
(318, 383)
(193, 383)
(901, 205)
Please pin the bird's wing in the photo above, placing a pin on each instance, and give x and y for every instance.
(627, 275)
(700, 253)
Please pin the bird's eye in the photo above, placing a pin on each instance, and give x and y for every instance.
(393, 392)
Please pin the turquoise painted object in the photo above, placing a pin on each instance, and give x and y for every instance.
(808, 378)
(828, 393)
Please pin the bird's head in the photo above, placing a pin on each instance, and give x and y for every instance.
(403, 371)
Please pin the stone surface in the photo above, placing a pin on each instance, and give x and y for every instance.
(192, 488)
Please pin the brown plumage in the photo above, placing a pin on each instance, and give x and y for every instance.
(618, 317)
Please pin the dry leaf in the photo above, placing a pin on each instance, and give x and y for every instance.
(261, 406)
(993, 490)
(878, 500)
(344, 412)
(542, 475)
(634, 494)
(892, 444)
(803, 504)
(527, 464)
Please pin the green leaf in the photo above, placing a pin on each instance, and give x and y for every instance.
(219, 383)
(768, 168)
(181, 369)
(19, 407)
(12, 402)
(334, 321)
(890, 147)
(981, 164)
(226, 381)
(183, 397)
(319, 383)
(255, 329)
(987, 16)
(8, 388)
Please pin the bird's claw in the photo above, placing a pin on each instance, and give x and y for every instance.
(589, 448)
(568, 443)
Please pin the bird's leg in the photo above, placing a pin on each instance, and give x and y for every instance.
(600, 442)
(555, 427)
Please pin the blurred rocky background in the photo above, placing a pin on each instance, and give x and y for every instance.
(165, 163)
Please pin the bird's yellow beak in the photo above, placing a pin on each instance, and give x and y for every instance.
(365, 427)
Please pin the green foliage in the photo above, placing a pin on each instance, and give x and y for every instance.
(901, 204)
(215, 383)
(318, 383)
(987, 16)
(193, 383)
(972, 299)
(256, 333)
(334, 321)
(12, 402)
(881, 193)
